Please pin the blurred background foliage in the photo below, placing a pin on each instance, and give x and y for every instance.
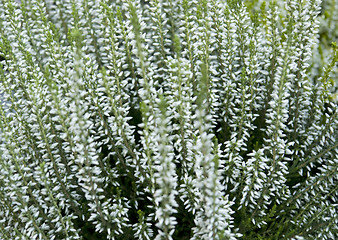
(328, 35)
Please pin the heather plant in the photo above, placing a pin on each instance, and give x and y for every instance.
(328, 33)
(177, 119)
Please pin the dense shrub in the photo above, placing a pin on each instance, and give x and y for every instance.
(177, 119)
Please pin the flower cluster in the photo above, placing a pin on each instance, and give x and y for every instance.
(176, 119)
